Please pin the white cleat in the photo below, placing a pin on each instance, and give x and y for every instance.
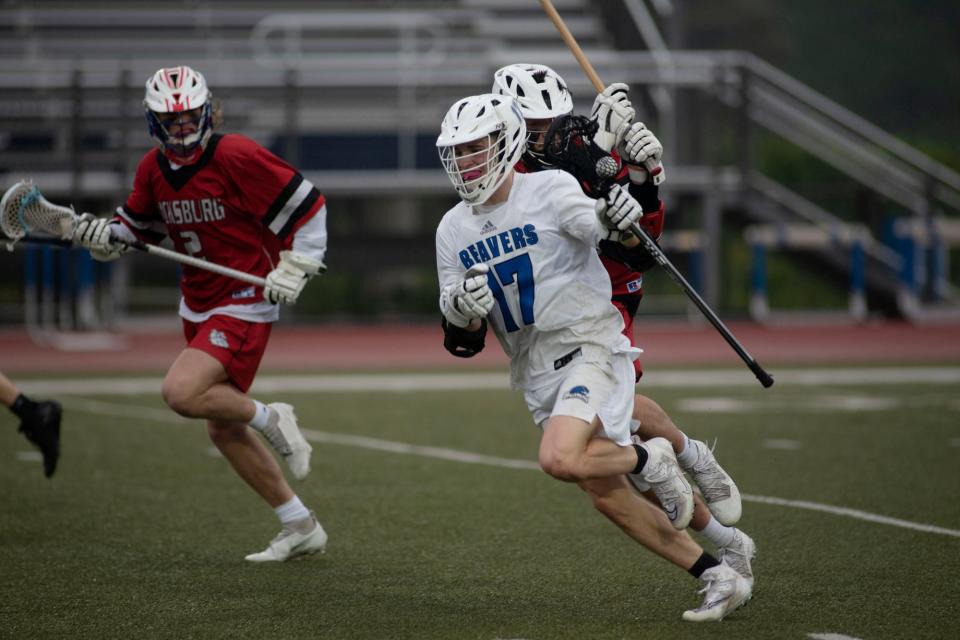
(301, 538)
(739, 553)
(663, 475)
(292, 445)
(718, 488)
(726, 591)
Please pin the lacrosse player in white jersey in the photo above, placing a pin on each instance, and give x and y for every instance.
(543, 98)
(518, 254)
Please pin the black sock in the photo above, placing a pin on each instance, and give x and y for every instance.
(704, 562)
(641, 458)
(23, 406)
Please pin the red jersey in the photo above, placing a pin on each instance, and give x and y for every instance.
(238, 205)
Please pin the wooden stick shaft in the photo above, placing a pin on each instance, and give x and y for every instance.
(572, 44)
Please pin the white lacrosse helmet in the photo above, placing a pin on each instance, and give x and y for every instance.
(542, 95)
(178, 90)
(488, 116)
(539, 90)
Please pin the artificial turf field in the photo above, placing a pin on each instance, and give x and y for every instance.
(142, 531)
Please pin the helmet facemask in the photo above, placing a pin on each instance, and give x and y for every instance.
(481, 138)
(542, 96)
(182, 148)
(179, 97)
(476, 168)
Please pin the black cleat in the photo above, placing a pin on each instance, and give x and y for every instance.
(42, 427)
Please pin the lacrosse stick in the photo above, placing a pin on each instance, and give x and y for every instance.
(653, 167)
(24, 211)
(569, 146)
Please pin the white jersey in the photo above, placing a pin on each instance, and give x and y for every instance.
(552, 292)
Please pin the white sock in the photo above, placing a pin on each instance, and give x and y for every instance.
(261, 417)
(717, 533)
(291, 511)
(688, 456)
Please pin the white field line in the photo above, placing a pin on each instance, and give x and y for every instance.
(830, 636)
(406, 382)
(452, 455)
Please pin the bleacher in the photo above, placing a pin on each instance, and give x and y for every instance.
(352, 92)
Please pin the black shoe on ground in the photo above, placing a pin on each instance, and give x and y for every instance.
(42, 428)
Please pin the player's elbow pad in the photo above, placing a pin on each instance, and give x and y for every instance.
(461, 342)
(637, 258)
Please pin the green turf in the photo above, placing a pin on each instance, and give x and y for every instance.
(142, 533)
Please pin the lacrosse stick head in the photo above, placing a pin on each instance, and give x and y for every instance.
(24, 211)
(569, 146)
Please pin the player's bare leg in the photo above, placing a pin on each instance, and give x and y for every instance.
(642, 520)
(570, 450)
(197, 386)
(251, 459)
(720, 491)
(725, 589)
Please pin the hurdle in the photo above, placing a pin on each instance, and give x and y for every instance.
(852, 238)
(925, 293)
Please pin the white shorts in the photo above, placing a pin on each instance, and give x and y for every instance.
(592, 387)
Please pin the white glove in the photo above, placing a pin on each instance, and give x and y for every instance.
(95, 234)
(642, 151)
(614, 113)
(469, 298)
(285, 283)
(617, 211)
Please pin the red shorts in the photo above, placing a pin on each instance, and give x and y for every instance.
(628, 331)
(237, 344)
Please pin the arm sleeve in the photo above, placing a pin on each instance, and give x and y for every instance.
(449, 270)
(311, 238)
(576, 212)
(273, 191)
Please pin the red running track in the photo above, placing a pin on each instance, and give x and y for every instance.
(322, 348)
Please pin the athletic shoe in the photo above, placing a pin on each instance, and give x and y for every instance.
(718, 489)
(303, 537)
(663, 474)
(726, 591)
(739, 553)
(285, 437)
(42, 428)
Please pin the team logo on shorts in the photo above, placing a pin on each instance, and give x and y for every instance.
(219, 339)
(579, 392)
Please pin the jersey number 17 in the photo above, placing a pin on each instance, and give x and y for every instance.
(517, 270)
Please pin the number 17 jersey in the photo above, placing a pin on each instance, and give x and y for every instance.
(551, 290)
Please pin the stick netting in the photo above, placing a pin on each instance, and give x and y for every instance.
(24, 211)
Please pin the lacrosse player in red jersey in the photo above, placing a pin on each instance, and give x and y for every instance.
(226, 199)
(39, 421)
(518, 254)
(543, 98)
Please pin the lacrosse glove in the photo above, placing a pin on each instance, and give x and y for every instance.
(641, 149)
(613, 112)
(96, 235)
(469, 298)
(285, 283)
(617, 211)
